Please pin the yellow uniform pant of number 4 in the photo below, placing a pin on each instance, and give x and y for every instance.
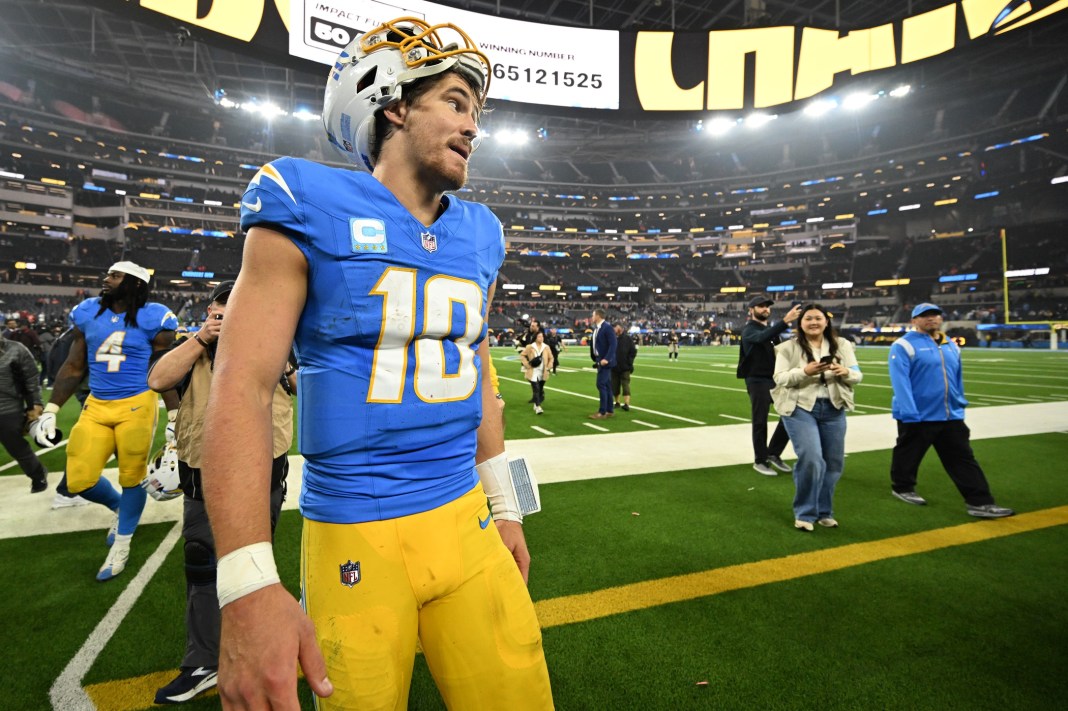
(441, 577)
(122, 427)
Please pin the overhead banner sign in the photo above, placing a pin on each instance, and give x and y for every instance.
(636, 72)
(532, 63)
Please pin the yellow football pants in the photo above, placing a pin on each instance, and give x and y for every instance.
(442, 579)
(122, 427)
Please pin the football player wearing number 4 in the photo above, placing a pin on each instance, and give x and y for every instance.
(115, 333)
(382, 282)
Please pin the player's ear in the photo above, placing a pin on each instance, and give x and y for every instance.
(396, 113)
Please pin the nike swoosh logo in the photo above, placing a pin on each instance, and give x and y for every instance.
(254, 206)
(482, 524)
(135, 409)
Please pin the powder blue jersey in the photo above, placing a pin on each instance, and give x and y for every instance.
(390, 386)
(118, 354)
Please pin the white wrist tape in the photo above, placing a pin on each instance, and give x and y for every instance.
(510, 486)
(51, 407)
(172, 415)
(244, 571)
(497, 482)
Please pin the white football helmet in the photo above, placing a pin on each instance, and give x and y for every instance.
(371, 72)
(162, 482)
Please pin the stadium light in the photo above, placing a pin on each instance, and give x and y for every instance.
(821, 107)
(719, 126)
(759, 119)
(513, 137)
(901, 91)
(304, 114)
(858, 101)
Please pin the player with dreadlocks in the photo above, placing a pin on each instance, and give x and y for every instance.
(114, 335)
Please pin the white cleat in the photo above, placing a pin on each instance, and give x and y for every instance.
(113, 531)
(115, 563)
(59, 501)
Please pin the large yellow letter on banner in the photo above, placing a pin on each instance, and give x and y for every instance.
(928, 34)
(824, 53)
(234, 18)
(774, 50)
(655, 79)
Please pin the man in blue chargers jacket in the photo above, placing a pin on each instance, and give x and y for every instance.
(928, 404)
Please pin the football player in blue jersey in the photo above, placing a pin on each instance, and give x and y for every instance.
(382, 282)
(114, 335)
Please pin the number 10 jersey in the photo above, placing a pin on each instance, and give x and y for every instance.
(390, 391)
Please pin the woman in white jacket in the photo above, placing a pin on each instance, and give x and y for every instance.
(537, 365)
(814, 377)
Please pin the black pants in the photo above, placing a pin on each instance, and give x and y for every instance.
(952, 443)
(538, 388)
(16, 445)
(759, 390)
(202, 618)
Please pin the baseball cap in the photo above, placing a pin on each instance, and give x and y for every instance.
(132, 269)
(924, 308)
(222, 290)
(760, 300)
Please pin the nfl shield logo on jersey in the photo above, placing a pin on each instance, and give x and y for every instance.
(350, 573)
(430, 242)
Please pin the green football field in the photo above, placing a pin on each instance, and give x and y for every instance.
(685, 588)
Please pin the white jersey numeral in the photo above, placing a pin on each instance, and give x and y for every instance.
(442, 296)
(110, 351)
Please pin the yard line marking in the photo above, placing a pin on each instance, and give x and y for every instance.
(67, 693)
(542, 430)
(732, 417)
(646, 424)
(595, 427)
(692, 385)
(593, 397)
(583, 607)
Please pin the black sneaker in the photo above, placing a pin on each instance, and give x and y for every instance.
(39, 485)
(189, 683)
(625, 408)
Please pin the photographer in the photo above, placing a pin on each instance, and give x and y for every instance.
(187, 368)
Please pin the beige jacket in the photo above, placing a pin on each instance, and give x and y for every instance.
(795, 389)
(546, 361)
(189, 424)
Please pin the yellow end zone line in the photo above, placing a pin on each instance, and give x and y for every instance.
(137, 693)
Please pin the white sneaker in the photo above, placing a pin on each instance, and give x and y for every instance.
(59, 501)
(538, 410)
(115, 563)
(113, 531)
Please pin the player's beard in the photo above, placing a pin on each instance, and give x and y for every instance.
(763, 318)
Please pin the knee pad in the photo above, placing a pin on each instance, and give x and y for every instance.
(200, 563)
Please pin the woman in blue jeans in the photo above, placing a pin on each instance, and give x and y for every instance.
(814, 377)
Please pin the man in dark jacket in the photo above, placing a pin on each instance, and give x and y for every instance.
(603, 353)
(756, 363)
(625, 354)
(20, 402)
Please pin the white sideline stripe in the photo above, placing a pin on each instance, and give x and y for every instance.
(732, 417)
(542, 430)
(67, 693)
(595, 427)
(14, 463)
(646, 424)
(591, 397)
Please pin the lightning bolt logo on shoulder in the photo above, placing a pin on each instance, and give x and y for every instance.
(271, 173)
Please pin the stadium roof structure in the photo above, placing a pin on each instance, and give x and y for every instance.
(162, 63)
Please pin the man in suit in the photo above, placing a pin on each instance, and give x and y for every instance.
(603, 353)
